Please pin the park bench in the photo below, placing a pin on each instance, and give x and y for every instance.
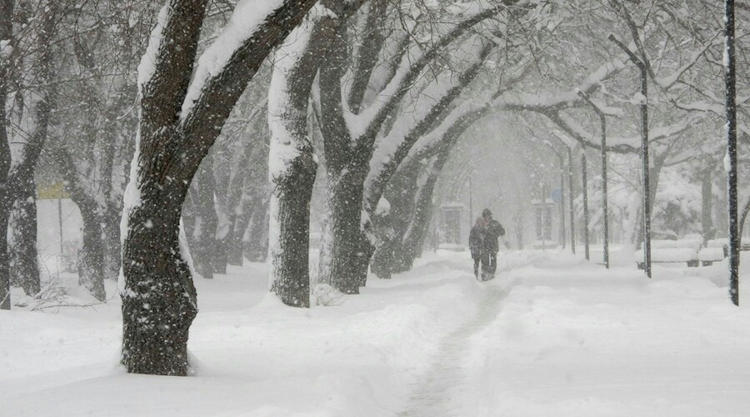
(672, 251)
(715, 251)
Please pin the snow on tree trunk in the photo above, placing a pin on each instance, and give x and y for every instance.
(292, 165)
(182, 112)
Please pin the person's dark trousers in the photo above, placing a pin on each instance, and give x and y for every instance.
(492, 264)
(486, 274)
(476, 266)
(489, 265)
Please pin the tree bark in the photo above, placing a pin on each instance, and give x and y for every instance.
(401, 194)
(91, 255)
(413, 241)
(343, 251)
(292, 164)
(24, 262)
(159, 299)
(6, 32)
(90, 263)
(290, 214)
(112, 246)
(253, 199)
(256, 248)
(241, 222)
(206, 220)
(24, 266)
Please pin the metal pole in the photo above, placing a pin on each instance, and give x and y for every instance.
(544, 216)
(646, 173)
(471, 205)
(731, 109)
(584, 189)
(605, 208)
(562, 201)
(570, 199)
(60, 222)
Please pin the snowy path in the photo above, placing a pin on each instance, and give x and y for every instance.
(552, 335)
(435, 393)
(566, 338)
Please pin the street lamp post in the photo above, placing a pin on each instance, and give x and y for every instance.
(570, 199)
(584, 189)
(731, 126)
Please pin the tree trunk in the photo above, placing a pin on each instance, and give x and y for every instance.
(224, 203)
(159, 300)
(91, 255)
(383, 257)
(292, 165)
(220, 252)
(290, 218)
(343, 247)
(112, 244)
(256, 248)
(707, 226)
(6, 32)
(24, 263)
(206, 220)
(234, 251)
(401, 193)
(413, 243)
(24, 266)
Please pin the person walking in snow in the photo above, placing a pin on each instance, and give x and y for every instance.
(490, 245)
(476, 242)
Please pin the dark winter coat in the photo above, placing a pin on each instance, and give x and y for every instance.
(494, 231)
(476, 241)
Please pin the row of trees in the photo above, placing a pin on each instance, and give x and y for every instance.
(375, 94)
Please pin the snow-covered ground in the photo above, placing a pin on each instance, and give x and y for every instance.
(552, 335)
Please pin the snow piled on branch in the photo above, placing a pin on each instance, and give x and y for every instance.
(412, 60)
(147, 66)
(283, 141)
(146, 69)
(247, 17)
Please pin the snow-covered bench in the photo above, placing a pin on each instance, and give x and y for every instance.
(715, 251)
(672, 251)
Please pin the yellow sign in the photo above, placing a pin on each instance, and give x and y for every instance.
(53, 191)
